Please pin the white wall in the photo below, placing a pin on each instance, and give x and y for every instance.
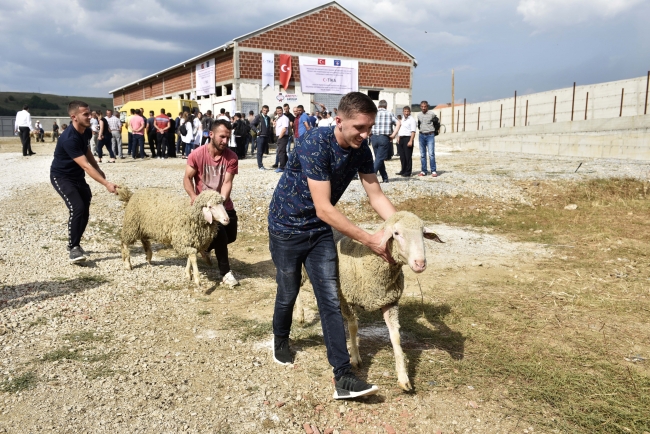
(604, 103)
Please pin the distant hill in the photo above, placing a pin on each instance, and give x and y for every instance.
(41, 104)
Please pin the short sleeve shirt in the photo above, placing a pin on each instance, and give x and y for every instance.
(317, 156)
(282, 122)
(161, 121)
(211, 173)
(136, 123)
(302, 129)
(70, 145)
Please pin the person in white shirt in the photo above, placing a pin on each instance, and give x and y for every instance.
(198, 129)
(326, 120)
(94, 128)
(23, 127)
(282, 132)
(223, 115)
(406, 136)
(188, 137)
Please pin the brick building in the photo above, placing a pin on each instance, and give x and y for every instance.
(385, 69)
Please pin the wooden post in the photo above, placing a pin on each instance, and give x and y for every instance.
(554, 106)
(573, 100)
(526, 119)
(478, 120)
(621, 112)
(501, 116)
(464, 111)
(647, 83)
(452, 100)
(586, 105)
(457, 120)
(514, 118)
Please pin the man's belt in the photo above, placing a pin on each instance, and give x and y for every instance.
(427, 133)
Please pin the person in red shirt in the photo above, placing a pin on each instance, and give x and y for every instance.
(213, 167)
(161, 123)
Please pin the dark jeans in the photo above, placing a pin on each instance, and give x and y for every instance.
(317, 252)
(130, 144)
(282, 151)
(171, 150)
(262, 143)
(106, 141)
(138, 143)
(225, 235)
(380, 145)
(241, 146)
(249, 140)
(77, 196)
(405, 155)
(26, 140)
(161, 144)
(254, 144)
(152, 136)
(188, 148)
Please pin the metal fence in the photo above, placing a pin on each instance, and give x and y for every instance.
(7, 123)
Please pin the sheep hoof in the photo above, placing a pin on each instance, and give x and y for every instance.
(206, 258)
(405, 384)
(356, 362)
(127, 265)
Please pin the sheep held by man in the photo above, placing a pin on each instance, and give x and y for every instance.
(368, 282)
(159, 215)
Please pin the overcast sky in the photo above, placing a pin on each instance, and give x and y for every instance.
(87, 48)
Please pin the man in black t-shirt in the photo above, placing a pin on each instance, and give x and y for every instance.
(73, 158)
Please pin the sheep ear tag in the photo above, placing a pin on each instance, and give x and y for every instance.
(207, 214)
(430, 235)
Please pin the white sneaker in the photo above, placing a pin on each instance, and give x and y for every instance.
(229, 279)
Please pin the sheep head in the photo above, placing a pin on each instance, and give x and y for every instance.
(211, 205)
(407, 232)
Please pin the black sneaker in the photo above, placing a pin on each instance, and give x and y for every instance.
(80, 248)
(275, 166)
(349, 386)
(281, 352)
(77, 255)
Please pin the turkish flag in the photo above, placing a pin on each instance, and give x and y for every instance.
(285, 70)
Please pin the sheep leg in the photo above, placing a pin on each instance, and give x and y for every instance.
(188, 268)
(195, 268)
(126, 256)
(353, 327)
(146, 245)
(391, 316)
(299, 310)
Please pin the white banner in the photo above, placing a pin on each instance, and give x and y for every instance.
(268, 70)
(328, 75)
(205, 78)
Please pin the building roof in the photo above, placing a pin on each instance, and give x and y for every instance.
(229, 44)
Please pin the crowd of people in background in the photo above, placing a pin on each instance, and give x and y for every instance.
(168, 137)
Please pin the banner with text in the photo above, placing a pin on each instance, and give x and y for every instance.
(205, 78)
(328, 75)
(268, 70)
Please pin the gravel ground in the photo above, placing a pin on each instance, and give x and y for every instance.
(109, 350)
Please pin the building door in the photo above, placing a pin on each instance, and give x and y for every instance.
(327, 99)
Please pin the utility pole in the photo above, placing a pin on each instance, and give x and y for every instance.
(452, 100)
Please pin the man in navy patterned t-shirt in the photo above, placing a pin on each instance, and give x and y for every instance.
(301, 218)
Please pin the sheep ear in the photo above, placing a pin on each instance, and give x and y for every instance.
(388, 234)
(207, 214)
(430, 235)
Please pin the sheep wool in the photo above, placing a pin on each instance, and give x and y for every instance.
(165, 217)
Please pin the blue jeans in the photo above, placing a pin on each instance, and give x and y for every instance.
(262, 143)
(138, 140)
(188, 148)
(317, 251)
(428, 143)
(130, 144)
(380, 145)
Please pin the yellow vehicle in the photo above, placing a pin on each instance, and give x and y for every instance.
(172, 107)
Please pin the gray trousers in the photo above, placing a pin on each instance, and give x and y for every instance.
(116, 143)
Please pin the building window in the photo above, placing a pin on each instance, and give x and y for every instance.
(219, 91)
(374, 95)
(228, 89)
(181, 96)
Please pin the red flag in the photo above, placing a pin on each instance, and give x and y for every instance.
(321, 61)
(285, 70)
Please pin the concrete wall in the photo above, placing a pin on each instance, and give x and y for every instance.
(604, 103)
(7, 123)
(626, 137)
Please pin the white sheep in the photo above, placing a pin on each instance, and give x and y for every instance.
(160, 215)
(368, 282)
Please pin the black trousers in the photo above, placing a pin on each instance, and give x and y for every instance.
(26, 140)
(161, 144)
(171, 150)
(151, 136)
(77, 196)
(405, 155)
(225, 236)
(262, 142)
(241, 146)
(282, 151)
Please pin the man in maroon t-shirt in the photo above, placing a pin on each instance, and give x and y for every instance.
(213, 167)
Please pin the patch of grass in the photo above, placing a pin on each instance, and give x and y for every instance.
(61, 354)
(101, 371)
(20, 383)
(45, 247)
(249, 329)
(38, 321)
(87, 336)
(92, 278)
(204, 312)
